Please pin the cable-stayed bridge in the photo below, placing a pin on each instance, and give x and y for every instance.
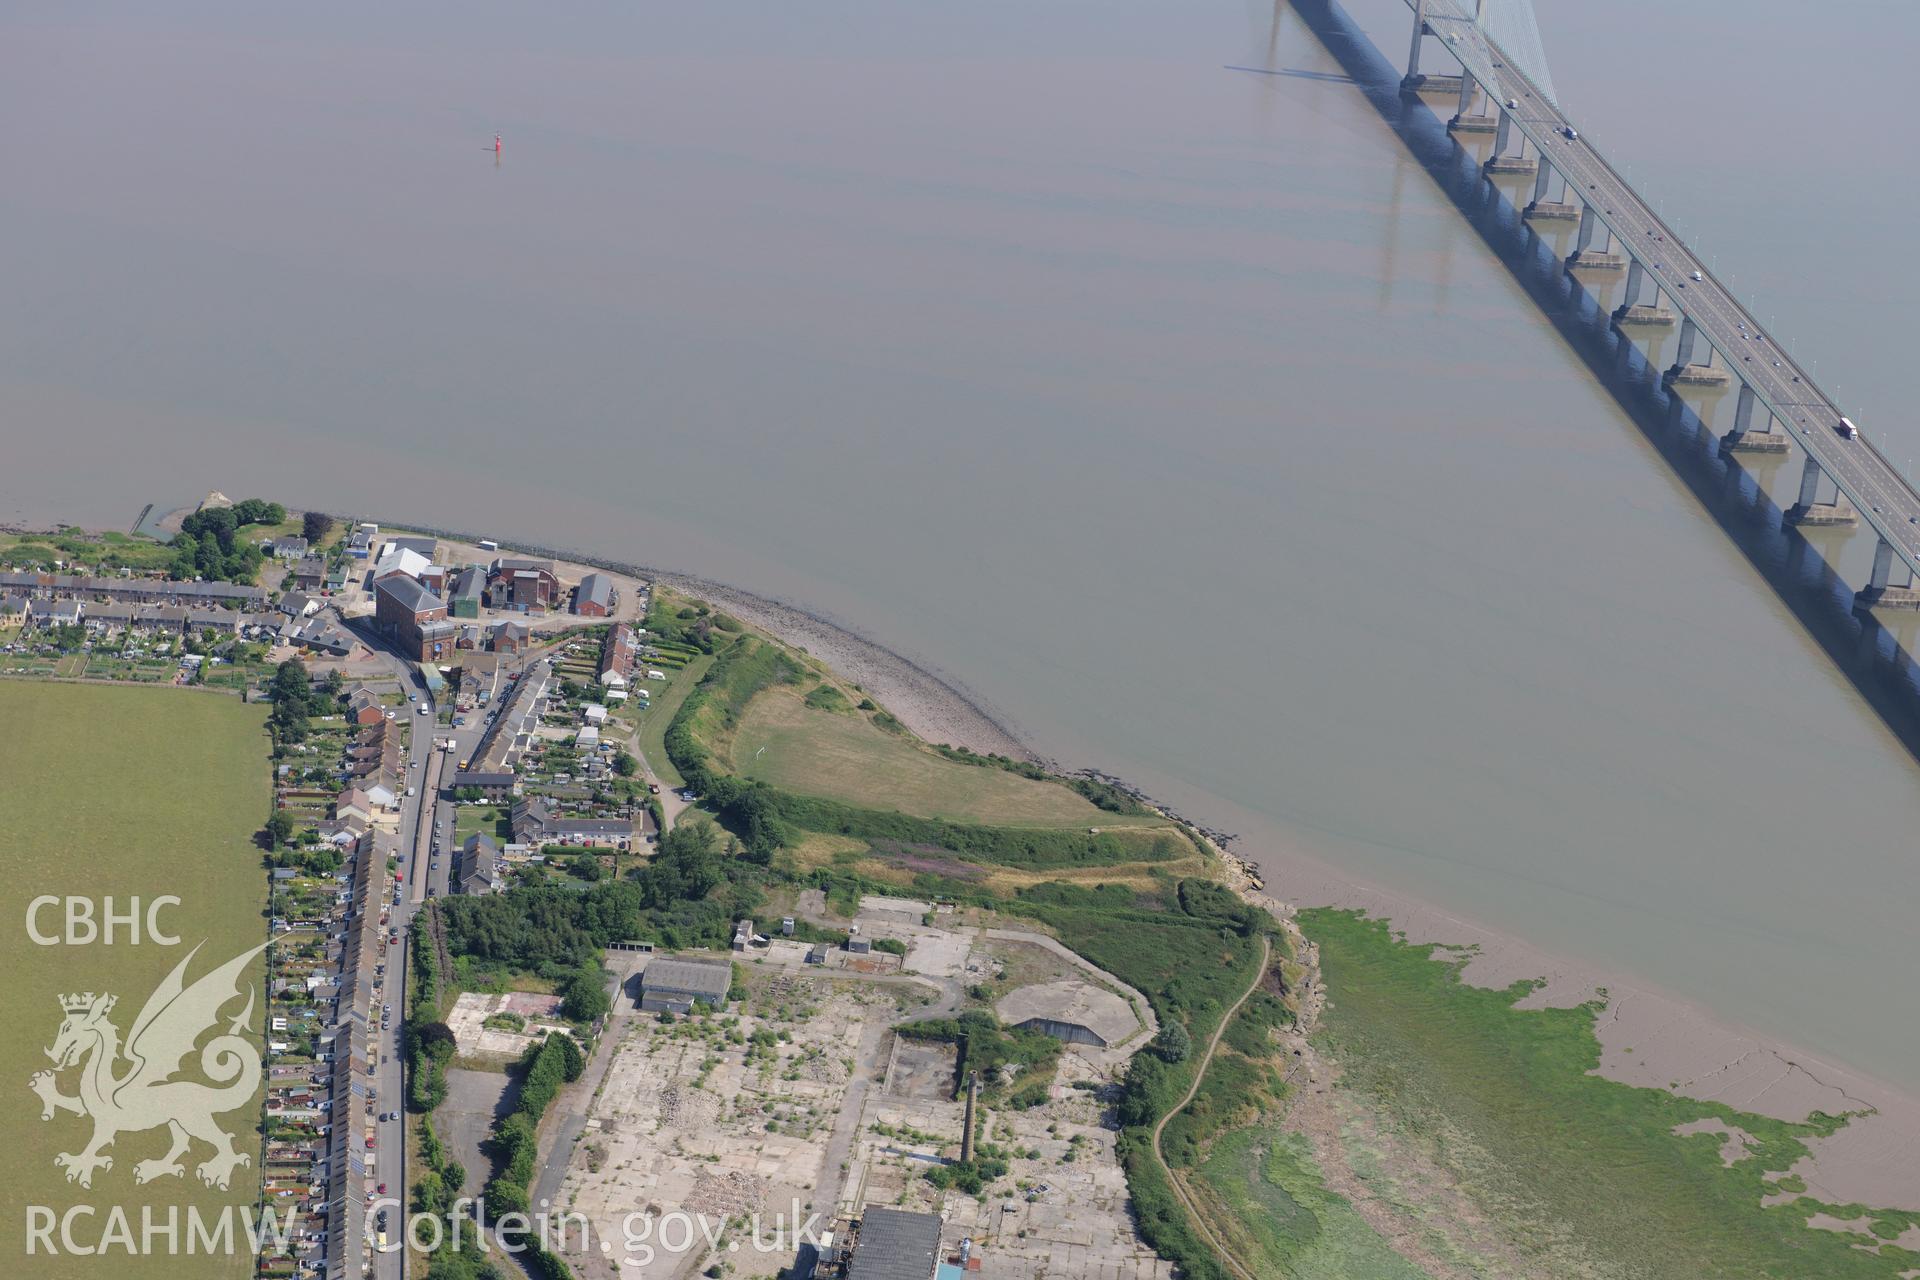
(1505, 89)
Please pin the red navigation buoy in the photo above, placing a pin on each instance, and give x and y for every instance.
(496, 144)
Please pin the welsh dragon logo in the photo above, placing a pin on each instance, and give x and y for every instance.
(143, 1094)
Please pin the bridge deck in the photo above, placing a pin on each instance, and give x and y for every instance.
(1883, 497)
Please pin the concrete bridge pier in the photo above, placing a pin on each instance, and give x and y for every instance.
(1540, 206)
(1630, 311)
(1586, 258)
(1500, 161)
(1413, 81)
(1743, 439)
(1685, 372)
(1881, 592)
(1464, 120)
(1810, 510)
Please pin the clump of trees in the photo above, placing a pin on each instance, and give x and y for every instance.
(207, 545)
(280, 827)
(547, 1066)
(297, 698)
(584, 997)
(315, 526)
(430, 1047)
(1174, 1042)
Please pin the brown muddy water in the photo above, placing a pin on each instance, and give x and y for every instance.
(1174, 409)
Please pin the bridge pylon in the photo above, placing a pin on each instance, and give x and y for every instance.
(1584, 256)
(1414, 82)
(1464, 120)
(1499, 161)
(1810, 510)
(1743, 438)
(1881, 592)
(1540, 206)
(1684, 372)
(1631, 311)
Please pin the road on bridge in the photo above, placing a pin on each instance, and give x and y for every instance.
(1883, 497)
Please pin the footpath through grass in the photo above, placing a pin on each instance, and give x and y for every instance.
(130, 792)
(1585, 1173)
(652, 723)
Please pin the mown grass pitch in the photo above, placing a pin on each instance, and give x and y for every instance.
(131, 792)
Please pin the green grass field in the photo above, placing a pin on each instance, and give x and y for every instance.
(843, 755)
(652, 723)
(481, 819)
(129, 792)
(1584, 1175)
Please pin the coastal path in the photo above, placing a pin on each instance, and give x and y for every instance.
(1200, 1075)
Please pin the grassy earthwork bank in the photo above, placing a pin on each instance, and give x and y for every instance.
(134, 793)
(1580, 1175)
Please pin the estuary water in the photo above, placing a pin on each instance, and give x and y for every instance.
(1172, 408)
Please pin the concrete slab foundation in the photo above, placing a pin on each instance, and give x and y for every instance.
(1552, 209)
(1755, 442)
(1449, 85)
(1512, 164)
(1840, 512)
(1696, 375)
(1887, 598)
(1640, 313)
(1596, 260)
(1474, 124)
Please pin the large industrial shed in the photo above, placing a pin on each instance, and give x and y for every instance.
(895, 1244)
(1077, 1012)
(671, 985)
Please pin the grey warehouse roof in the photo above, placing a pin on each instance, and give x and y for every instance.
(895, 1245)
(710, 978)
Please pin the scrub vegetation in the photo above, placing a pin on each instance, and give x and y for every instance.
(101, 552)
